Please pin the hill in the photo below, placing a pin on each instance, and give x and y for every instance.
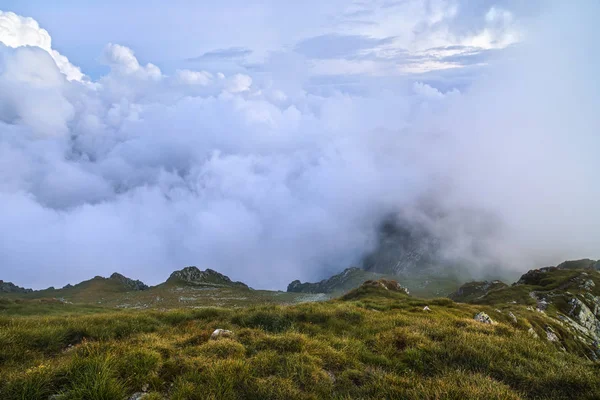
(194, 276)
(346, 280)
(9, 287)
(375, 342)
(187, 288)
(566, 298)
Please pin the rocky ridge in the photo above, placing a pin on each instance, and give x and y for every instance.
(129, 283)
(8, 287)
(194, 276)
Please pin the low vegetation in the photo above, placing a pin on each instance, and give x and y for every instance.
(375, 342)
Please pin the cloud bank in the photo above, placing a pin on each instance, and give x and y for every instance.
(258, 176)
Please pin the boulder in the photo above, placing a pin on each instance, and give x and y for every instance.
(483, 318)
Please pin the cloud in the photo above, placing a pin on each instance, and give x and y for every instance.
(122, 61)
(277, 174)
(16, 31)
(194, 77)
(331, 46)
(231, 53)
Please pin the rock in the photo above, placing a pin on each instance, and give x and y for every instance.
(585, 317)
(221, 333)
(532, 333)
(331, 376)
(426, 308)
(138, 396)
(588, 284)
(512, 316)
(483, 318)
(550, 335)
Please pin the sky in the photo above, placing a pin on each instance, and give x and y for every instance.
(268, 140)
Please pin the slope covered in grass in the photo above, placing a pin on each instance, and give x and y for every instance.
(376, 342)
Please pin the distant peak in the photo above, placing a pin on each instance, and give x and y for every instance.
(195, 276)
(129, 283)
(8, 287)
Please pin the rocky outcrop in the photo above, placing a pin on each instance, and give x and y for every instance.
(586, 314)
(129, 283)
(194, 276)
(567, 295)
(8, 287)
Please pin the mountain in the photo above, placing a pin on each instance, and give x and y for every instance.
(350, 278)
(8, 287)
(568, 294)
(194, 276)
(129, 283)
(402, 247)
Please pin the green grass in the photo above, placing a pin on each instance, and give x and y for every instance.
(371, 344)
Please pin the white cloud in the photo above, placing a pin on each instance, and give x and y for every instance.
(238, 83)
(122, 60)
(202, 78)
(17, 31)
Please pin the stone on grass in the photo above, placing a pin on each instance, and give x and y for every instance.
(483, 318)
(221, 333)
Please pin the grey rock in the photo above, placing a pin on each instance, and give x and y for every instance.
(550, 335)
(532, 333)
(483, 318)
(138, 396)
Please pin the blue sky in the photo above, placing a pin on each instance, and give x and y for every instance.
(185, 29)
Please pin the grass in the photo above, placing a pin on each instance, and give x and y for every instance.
(371, 344)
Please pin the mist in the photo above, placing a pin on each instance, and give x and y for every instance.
(264, 174)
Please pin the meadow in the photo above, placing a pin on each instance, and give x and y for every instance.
(372, 343)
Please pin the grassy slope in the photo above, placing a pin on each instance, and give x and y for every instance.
(372, 344)
(101, 292)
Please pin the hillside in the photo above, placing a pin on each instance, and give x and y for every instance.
(375, 342)
(187, 288)
(566, 298)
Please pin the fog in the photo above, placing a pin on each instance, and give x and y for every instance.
(266, 175)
